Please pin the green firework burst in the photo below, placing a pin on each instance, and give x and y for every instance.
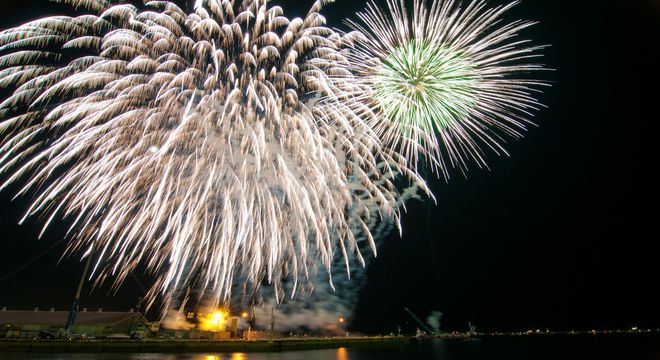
(448, 80)
(425, 86)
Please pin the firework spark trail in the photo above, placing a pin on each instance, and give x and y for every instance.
(322, 304)
(218, 146)
(232, 145)
(445, 80)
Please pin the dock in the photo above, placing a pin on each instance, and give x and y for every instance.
(192, 346)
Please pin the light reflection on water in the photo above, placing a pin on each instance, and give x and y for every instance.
(324, 354)
(342, 354)
(234, 356)
(615, 347)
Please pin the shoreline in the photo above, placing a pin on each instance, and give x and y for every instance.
(268, 345)
(190, 346)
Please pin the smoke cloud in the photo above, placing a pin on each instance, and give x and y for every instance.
(176, 320)
(434, 321)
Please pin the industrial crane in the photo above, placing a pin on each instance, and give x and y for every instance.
(419, 321)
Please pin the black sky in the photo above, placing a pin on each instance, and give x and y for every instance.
(560, 235)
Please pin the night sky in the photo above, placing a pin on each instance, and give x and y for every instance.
(559, 235)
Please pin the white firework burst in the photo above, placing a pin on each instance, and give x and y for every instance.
(219, 147)
(445, 80)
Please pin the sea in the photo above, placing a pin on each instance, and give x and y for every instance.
(535, 347)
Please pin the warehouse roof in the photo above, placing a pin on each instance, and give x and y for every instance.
(16, 317)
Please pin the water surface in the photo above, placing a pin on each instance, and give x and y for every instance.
(576, 347)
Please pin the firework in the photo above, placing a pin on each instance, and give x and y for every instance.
(445, 79)
(228, 145)
(220, 147)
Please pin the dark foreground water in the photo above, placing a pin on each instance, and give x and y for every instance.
(576, 347)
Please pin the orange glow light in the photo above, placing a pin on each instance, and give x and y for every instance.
(215, 321)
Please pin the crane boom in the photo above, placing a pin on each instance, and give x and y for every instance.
(419, 321)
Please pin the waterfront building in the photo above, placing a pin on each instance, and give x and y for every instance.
(24, 324)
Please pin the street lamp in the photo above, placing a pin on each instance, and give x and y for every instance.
(341, 324)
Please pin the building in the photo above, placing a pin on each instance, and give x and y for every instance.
(28, 324)
(208, 327)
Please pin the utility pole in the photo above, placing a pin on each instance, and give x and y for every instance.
(272, 323)
(139, 304)
(251, 321)
(76, 300)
